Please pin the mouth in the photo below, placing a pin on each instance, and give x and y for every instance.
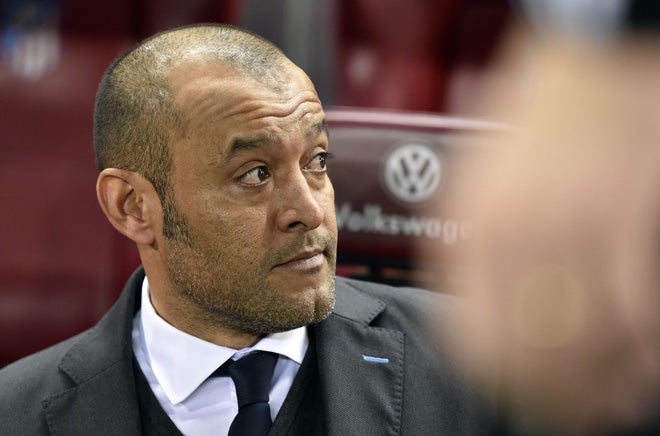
(304, 260)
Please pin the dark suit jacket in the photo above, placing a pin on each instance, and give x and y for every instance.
(85, 385)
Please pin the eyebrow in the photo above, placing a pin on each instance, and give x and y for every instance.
(320, 127)
(240, 144)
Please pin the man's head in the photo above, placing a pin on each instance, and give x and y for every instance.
(212, 149)
(136, 115)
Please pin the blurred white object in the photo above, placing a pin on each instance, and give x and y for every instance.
(34, 54)
(30, 39)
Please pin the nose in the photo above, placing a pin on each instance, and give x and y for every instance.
(299, 203)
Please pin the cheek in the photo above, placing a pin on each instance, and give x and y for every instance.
(330, 217)
(233, 229)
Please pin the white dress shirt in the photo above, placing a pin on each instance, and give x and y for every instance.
(178, 365)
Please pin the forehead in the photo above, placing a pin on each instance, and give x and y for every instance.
(222, 100)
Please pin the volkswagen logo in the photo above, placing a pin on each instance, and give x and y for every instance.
(412, 172)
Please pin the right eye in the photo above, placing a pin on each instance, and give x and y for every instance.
(254, 177)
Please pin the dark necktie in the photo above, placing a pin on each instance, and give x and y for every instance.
(252, 375)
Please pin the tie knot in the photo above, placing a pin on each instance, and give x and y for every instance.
(252, 375)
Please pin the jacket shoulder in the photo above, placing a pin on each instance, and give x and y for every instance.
(24, 385)
(402, 302)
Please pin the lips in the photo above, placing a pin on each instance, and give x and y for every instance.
(307, 259)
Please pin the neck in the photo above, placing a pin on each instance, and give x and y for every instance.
(186, 316)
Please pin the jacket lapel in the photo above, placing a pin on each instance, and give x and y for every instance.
(103, 399)
(361, 367)
(98, 406)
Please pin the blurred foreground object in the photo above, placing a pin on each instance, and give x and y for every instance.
(561, 273)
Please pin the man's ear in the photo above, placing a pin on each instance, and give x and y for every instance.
(131, 204)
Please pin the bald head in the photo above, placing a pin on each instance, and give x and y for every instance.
(136, 116)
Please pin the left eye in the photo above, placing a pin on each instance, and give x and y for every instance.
(318, 162)
(255, 176)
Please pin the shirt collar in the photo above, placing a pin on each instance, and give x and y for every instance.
(182, 362)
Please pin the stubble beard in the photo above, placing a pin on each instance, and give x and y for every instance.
(221, 297)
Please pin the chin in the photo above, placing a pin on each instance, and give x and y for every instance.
(317, 280)
(309, 306)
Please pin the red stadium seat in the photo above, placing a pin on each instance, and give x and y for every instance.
(393, 54)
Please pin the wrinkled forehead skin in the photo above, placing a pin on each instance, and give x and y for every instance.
(214, 90)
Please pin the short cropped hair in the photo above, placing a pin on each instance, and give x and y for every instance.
(135, 115)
